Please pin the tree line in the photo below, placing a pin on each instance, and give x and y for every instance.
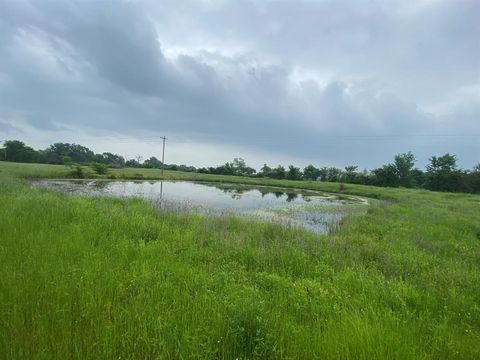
(65, 153)
(441, 174)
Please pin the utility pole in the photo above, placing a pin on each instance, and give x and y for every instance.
(163, 153)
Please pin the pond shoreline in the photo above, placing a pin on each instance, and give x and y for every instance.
(211, 181)
(313, 210)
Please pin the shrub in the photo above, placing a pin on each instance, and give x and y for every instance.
(100, 169)
(77, 171)
(67, 161)
(138, 176)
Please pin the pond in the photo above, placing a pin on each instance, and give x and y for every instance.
(316, 211)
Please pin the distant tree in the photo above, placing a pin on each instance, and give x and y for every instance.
(226, 169)
(446, 163)
(237, 167)
(350, 173)
(310, 172)
(240, 168)
(472, 179)
(418, 177)
(385, 176)
(334, 174)
(265, 171)
(78, 153)
(132, 163)
(404, 164)
(17, 151)
(112, 160)
(323, 172)
(278, 172)
(3, 154)
(249, 171)
(294, 173)
(443, 174)
(239, 164)
(152, 163)
(363, 177)
(186, 168)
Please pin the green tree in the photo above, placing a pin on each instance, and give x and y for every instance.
(265, 171)
(404, 164)
(446, 163)
(473, 179)
(152, 163)
(334, 174)
(132, 163)
(385, 176)
(350, 173)
(240, 168)
(79, 154)
(278, 172)
(294, 173)
(310, 172)
(323, 172)
(443, 174)
(17, 151)
(110, 159)
(3, 154)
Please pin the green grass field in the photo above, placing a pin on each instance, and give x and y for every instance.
(104, 278)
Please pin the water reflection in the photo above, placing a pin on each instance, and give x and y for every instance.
(237, 191)
(98, 185)
(285, 206)
(291, 196)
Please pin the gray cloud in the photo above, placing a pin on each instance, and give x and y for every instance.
(339, 82)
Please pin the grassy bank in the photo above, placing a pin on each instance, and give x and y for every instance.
(23, 170)
(106, 278)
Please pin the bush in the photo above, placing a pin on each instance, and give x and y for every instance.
(138, 176)
(100, 169)
(77, 172)
(67, 161)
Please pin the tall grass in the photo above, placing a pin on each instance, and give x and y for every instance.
(101, 278)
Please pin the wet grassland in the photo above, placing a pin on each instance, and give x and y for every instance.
(103, 277)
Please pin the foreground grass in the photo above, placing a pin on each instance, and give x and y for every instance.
(106, 278)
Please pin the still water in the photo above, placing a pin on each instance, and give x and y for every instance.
(315, 211)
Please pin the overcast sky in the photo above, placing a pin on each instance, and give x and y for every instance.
(327, 82)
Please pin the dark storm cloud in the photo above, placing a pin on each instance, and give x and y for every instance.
(292, 77)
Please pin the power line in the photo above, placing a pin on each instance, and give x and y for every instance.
(400, 135)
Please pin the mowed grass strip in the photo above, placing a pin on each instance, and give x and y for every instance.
(90, 278)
